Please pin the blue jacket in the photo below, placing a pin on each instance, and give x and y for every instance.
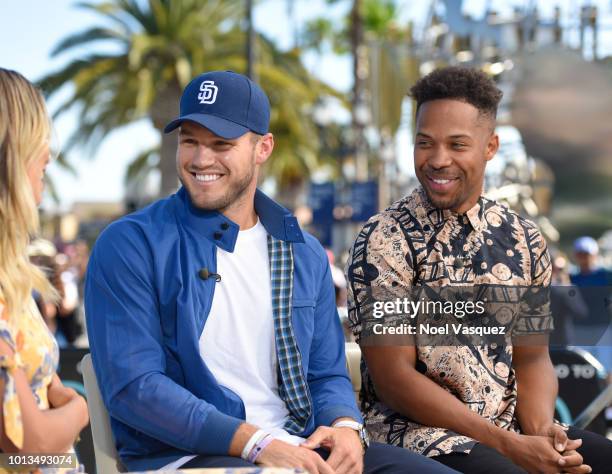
(146, 308)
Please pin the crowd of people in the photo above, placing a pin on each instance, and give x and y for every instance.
(212, 317)
(584, 314)
(64, 265)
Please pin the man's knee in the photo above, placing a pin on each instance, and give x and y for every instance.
(596, 450)
(480, 460)
(383, 458)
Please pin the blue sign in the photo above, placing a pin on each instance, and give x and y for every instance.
(322, 199)
(364, 200)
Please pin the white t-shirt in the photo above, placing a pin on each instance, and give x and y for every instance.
(238, 343)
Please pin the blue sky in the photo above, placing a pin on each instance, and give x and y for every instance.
(29, 29)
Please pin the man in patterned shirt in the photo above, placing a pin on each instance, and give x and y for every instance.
(474, 407)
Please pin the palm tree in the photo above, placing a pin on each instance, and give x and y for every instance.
(161, 45)
(369, 29)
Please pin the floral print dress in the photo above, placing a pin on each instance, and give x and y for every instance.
(36, 353)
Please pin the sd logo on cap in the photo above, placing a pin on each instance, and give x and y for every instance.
(227, 103)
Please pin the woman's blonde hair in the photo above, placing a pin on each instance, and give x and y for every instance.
(24, 132)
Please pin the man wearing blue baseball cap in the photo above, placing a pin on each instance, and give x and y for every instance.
(211, 314)
(586, 252)
(596, 285)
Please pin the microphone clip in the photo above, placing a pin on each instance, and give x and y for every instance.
(204, 274)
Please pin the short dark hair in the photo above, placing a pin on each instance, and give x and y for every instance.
(461, 83)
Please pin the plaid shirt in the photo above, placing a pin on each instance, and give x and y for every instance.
(292, 386)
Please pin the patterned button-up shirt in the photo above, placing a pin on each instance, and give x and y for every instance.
(412, 243)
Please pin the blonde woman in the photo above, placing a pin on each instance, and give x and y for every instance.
(38, 415)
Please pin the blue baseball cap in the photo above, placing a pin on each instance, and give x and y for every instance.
(586, 244)
(227, 103)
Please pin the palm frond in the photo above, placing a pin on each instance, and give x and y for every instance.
(62, 161)
(142, 164)
(88, 36)
(109, 10)
(162, 45)
(142, 17)
(51, 189)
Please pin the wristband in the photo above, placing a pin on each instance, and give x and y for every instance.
(259, 447)
(251, 442)
(354, 425)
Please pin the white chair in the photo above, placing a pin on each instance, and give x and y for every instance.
(353, 361)
(107, 459)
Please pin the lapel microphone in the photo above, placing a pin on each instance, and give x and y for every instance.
(204, 274)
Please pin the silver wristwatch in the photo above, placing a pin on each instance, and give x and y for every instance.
(359, 428)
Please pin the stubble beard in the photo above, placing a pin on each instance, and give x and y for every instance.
(443, 203)
(234, 193)
(438, 202)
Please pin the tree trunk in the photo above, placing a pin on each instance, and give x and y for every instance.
(167, 164)
(250, 44)
(291, 195)
(165, 109)
(360, 73)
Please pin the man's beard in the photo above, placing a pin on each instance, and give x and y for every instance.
(446, 200)
(451, 202)
(233, 194)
